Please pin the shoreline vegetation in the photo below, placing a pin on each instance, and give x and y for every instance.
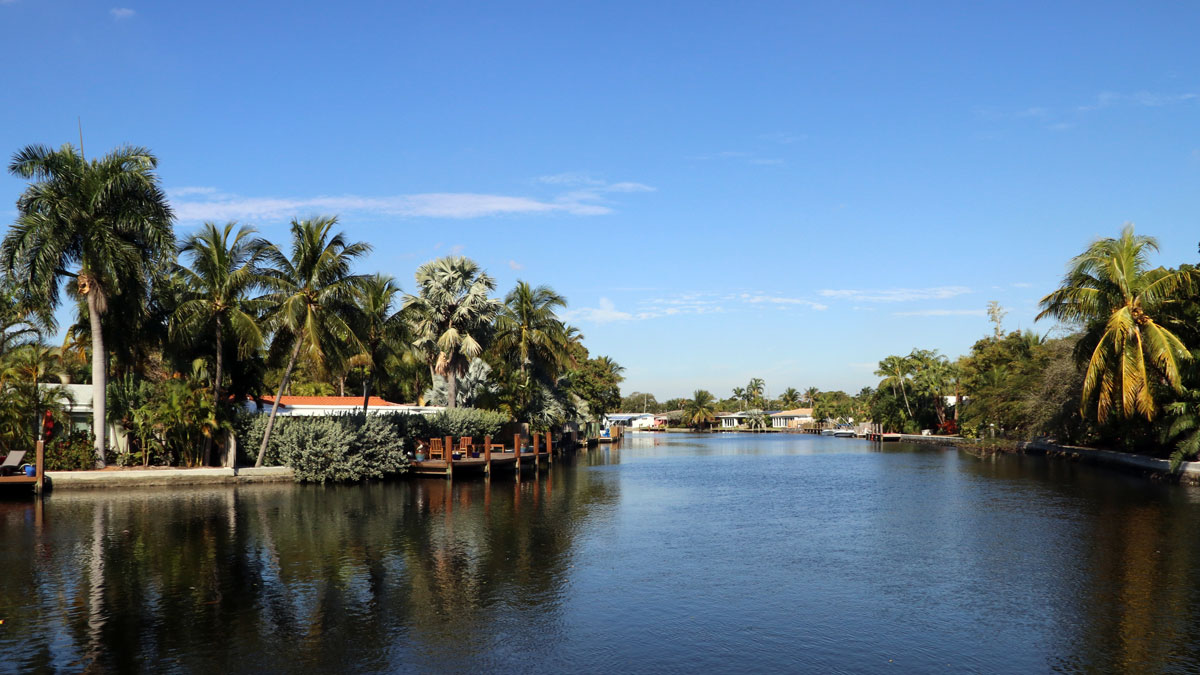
(175, 337)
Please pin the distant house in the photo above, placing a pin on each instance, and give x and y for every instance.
(631, 420)
(791, 419)
(316, 406)
(731, 420)
(668, 418)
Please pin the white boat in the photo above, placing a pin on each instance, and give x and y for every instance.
(827, 432)
(843, 433)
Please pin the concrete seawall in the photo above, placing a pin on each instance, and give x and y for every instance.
(71, 480)
(1189, 472)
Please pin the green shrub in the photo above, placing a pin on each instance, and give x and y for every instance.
(74, 453)
(342, 448)
(459, 422)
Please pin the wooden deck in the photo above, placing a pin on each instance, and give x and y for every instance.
(487, 457)
(37, 482)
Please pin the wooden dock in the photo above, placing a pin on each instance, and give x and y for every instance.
(485, 458)
(37, 481)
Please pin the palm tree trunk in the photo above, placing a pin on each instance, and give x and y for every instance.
(367, 388)
(208, 440)
(906, 406)
(99, 376)
(451, 390)
(262, 450)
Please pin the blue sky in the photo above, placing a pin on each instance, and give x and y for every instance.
(722, 190)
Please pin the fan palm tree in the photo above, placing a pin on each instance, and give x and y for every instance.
(451, 316)
(380, 326)
(105, 223)
(895, 371)
(1122, 306)
(700, 409)
(312, 291)
(223, 274)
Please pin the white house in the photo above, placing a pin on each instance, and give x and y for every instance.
(631, 420)
(731, 420)
(791, 419)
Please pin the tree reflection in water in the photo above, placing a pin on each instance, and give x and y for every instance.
(287, 578)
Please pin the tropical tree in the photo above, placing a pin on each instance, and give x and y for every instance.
(895, 371)
(811, 395)
(700, 410)
(739, 395)
(380, 327)
(104, 223)
(1123, 307)
(223, 274)
(755, 390)
(790, 398)
(530, 338)
(451, 316)
(312, 291)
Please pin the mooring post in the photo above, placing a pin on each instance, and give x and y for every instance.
(487, 455)
(40, 466)
(549, 448)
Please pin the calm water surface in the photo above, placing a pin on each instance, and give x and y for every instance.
(684, 553)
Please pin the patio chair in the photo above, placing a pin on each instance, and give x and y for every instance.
(436, 449)
(12, 462)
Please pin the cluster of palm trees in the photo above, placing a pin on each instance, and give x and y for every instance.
(1125, 374)
(260, 314)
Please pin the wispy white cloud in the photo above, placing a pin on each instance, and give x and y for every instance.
(607, 312)
(896, 294)
(765, 161)
(206, 203)
(759, 298)
(1149, 99)
(119, 13)
(569, 178)
(1021, 284)
(943, 312)
(456, 249)
(515, 266)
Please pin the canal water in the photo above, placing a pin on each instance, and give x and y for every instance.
(680, 553)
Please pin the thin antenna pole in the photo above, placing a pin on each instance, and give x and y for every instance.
(79, 120)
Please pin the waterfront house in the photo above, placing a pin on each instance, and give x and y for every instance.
(631, 420)
(671, 417)
(791, 419)
(731, 420)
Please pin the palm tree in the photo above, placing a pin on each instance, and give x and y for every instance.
(104, 223)
(312, 291)
(754, 390)
(1121, 305)
(739, 395)
(811, 395)
(699, 411)
(222, 275)
(529, 334)
(790, 398)
(895, 371)
(380, 326)
(451, 316)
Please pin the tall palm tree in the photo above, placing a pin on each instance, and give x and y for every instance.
(222, 275)
(312, 291)
(895, 371)
(451, 316)
(1121, 304)
(700, 409)
(380, 326)
(105, 223)
(528, 332)
(755, 390)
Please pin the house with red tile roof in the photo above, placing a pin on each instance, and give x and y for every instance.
(337, 405)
